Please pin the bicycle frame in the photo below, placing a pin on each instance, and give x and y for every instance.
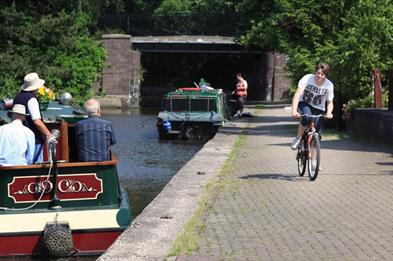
(310, 131)
(309, 137)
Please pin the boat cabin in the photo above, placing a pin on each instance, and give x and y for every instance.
(61, 207)
(192, 112)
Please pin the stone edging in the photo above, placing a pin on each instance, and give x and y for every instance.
(152, 233)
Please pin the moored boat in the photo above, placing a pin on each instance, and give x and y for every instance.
(61, 207)
(192, 113)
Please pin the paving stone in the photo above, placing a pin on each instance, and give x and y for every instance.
(268, 212)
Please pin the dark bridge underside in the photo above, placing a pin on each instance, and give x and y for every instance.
(190, 44)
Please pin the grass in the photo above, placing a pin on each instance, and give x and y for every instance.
(259, 107)
(331, 134)
(327, 134)
(187, 241)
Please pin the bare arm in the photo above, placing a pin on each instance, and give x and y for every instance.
(295, 102)
(329, 110)
(42, 128)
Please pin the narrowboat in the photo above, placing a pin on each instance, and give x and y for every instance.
(192, 112)
(61, 207)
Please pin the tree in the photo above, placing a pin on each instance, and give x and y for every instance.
(353, 36)
(57, 46)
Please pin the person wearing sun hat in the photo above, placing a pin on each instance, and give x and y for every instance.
(27, 97)
(17, 141)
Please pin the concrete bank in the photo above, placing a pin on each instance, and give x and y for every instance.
(115, 101)
(152, 233)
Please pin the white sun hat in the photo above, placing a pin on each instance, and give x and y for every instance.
(32, 82)
(19, 109)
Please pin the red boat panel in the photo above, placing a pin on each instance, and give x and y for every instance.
(84, 243)
(190, 89)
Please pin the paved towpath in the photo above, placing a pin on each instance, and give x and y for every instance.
(264, 211)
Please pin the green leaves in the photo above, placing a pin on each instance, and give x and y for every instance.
(353, 36)
(57, 46)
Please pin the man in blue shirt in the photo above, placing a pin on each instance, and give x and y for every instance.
(17, 141)
(94, 135)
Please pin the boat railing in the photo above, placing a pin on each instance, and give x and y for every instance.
(62, 164)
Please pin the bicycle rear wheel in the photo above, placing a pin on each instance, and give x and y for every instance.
(315, 158)
(301, 159)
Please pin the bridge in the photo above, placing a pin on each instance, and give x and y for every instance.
(141, 68)
(190, 44)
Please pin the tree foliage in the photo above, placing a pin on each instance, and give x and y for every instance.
(52, 37)
(353, 36)
(55, 44)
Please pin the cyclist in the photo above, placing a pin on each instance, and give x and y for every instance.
(313, 91)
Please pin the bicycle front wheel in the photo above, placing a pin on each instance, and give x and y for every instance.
(301, 159)
(314, 158)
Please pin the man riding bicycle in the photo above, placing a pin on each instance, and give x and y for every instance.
(314, 90)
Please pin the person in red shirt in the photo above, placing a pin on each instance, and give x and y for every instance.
(240, 93)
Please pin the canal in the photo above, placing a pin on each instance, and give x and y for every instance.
(146, 163)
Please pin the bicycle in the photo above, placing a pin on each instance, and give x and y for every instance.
(309, 150)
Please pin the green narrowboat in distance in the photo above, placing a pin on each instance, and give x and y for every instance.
(61, 207)
(190, 113)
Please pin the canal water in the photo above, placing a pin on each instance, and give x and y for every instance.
(146, 163)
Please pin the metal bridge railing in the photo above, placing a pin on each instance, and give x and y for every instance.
(171, 24)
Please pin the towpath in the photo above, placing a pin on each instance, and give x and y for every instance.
(264, 211)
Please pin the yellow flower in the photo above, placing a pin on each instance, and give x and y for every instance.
(45, 94)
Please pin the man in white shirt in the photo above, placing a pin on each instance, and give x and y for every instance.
(313, 92)
(17, 142)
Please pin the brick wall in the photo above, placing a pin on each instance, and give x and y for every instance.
(120, 79)
(116, 77)
(277, 79)
(376, 124)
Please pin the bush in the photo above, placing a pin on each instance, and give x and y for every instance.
(56, 46)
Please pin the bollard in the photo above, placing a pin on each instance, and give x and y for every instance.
(390, 105)
(377, 88)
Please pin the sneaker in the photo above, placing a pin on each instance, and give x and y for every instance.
(295, 143)
(236, 115)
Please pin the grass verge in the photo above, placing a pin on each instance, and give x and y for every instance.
(327, 134)
(187, 241)
(259, 107)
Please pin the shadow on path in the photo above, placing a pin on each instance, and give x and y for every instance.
(345, 145)
(285, 177)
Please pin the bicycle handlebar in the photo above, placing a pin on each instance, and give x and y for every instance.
(313, 116)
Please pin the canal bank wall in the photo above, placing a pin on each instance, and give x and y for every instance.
(151, 235)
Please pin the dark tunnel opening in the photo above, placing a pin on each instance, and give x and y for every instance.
(164, 72)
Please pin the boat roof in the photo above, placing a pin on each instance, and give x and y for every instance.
(53, 113)
(193, 91)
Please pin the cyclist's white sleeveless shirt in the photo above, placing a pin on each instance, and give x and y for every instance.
(314, 94)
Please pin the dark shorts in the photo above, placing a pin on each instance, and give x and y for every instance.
(240, 102)
(305, 108)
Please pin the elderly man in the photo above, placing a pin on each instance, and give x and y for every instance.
(17, 141)
(27, 97)
(94, 135)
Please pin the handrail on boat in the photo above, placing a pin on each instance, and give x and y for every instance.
(62, 165)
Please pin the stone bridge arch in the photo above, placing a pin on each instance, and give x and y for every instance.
(121, 79)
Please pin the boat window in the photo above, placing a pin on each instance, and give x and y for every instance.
(199, 104)
(180, 105)
(206, 104)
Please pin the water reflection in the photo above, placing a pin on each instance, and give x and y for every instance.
(146, 163)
